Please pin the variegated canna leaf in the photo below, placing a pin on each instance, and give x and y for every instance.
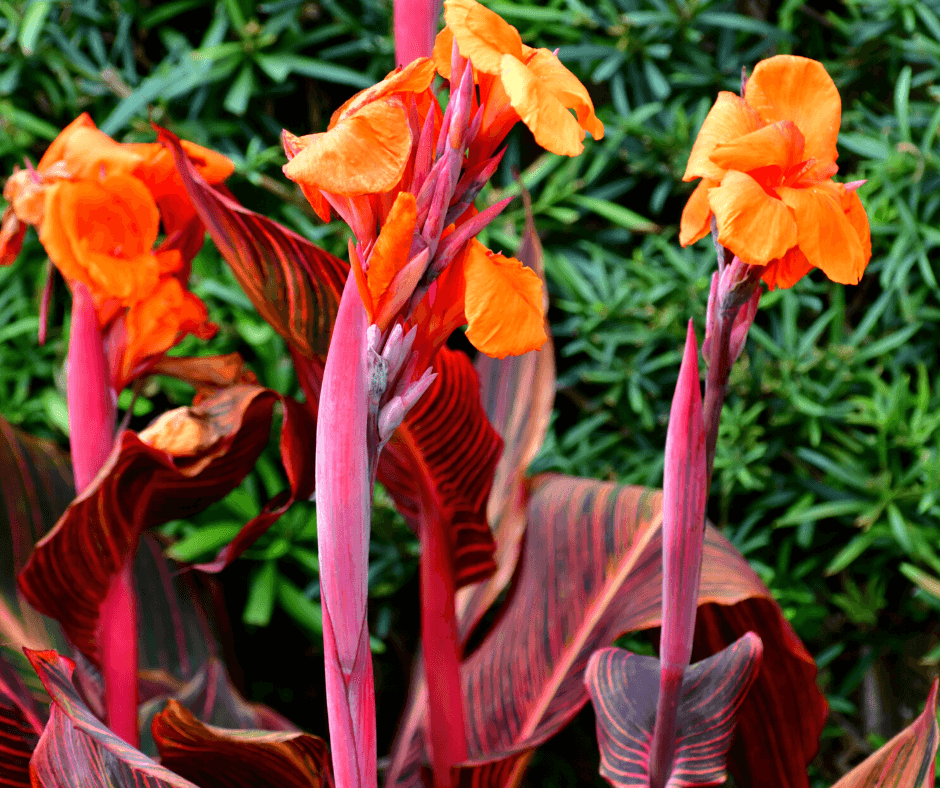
(176, 467)
(592, 570)
(215, 757)
(76, 750)
(624, 689)
(20, 728)
(292, 283)
(907, 761)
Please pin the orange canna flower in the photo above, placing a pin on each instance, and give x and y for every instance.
(517, 82)
(98, 206)
(766, 162)
(367, 145)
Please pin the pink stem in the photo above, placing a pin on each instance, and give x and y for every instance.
(415, 29)
(92, 415)
(684, 496)
(343, 485)
(439, 637)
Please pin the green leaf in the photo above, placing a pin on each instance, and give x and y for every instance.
(261, 595)
(31, 27)
(236, 100)
(202, 542)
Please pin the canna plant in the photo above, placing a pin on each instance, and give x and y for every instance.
(580, 562)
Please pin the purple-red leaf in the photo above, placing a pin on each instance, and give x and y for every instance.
(20, 728)
(292, 283)
(624, 689)
(784, 713)
(907, 761)
(175, 468)
(215, 757)
(76, 750)
(35, 488)
(591, 570)
(421, 456)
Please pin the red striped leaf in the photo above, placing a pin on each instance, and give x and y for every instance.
(624, 689)
(20, 728)
(292, 283)
(447, 448)
(76, 750)
(215, 757)
(907, 761)
(199, 454)
(35, 488)
(591, 570)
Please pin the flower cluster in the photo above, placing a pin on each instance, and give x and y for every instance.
(404, 175)
(766, 161)
(98, 206)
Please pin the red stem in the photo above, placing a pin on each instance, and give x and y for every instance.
(415, 28)
(92, 415)
(441, 643)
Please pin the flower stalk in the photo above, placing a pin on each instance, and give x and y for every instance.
(92, 415)
(684, 497)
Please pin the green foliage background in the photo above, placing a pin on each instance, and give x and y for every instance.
(828, 469)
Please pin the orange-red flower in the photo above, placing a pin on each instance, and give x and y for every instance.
(516, 82)
(99, 205)
(766, 162)
(367, 145)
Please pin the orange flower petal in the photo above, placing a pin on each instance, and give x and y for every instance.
(503, 304)
(787, 87)
(365, 153)
(159, 321)
(855, 213)
(12, 231)
(415, 77)
(697, 214)
(751, 223)
(443, 48)
(390, 255)
(550, 122)
(786, 271)
(86, 151)
(566, 88)
(826, 236)
(483, 36)
(779, 145)
(101, 233)
(727, 120)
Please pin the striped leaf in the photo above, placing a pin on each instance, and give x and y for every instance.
(20, 728)
(292, 283)
(76, 750)
(591, 570)
(421, 459)
(199, 454)
(35, 488)
(907, 761)
(624, 689)
(215, 757)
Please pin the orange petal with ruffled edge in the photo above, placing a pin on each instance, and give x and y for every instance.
(787, 87)
(101, 233)
(550, 122)
(727, 120)
(503, 304)
(158, 322)
(293, 145)
(751, 223)
(567, 88)
(362, 154)
(826, 236)
(86, 151)
(415, 77)
(483, 36)
(855, 213)
(786, 271)
(779, 145)
(12, 231)
(697, 214)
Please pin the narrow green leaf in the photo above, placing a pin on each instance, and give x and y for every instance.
(200, 543)
(261, 595)
(31, 28)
